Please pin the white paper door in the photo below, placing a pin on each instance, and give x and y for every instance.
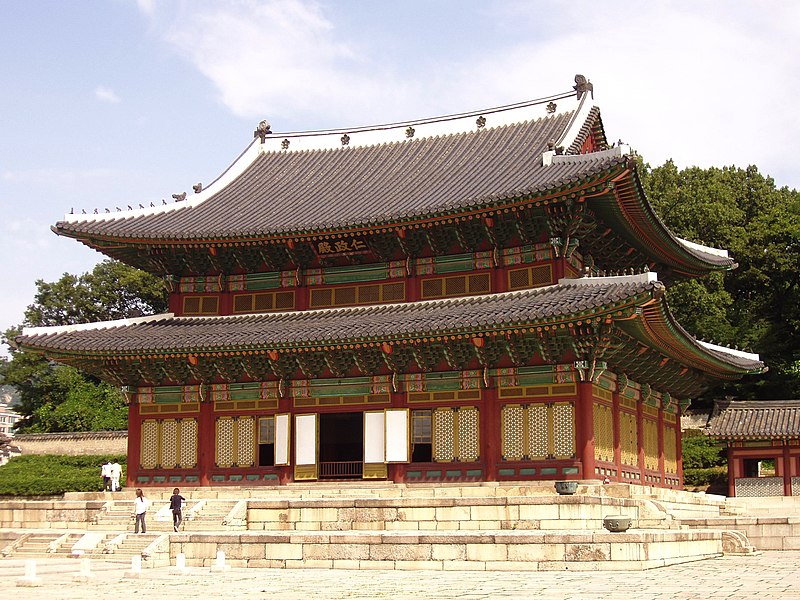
(398, 446)
(374, 438)
(305, 447)
(282, 440)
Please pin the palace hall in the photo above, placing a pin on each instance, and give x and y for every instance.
(473, 297)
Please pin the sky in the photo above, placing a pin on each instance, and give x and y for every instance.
(116, 103)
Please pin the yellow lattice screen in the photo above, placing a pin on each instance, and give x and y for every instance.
(246, 439)
(563, 430)
(148, 453)
(538, 431)
(650, 444)
(188, 441)
(513, 432)
(224, 451)
(236, 442)
(468, 435)
(456, 434)
(168, 444)
(603, 432)
(629, 440)
(670, 450)
(444, 439)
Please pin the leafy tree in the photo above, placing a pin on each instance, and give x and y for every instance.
(756, 306)
(54, 397)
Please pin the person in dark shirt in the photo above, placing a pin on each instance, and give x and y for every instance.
(176, 502)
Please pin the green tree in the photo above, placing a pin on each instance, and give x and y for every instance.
(54, 397)
(757, 305)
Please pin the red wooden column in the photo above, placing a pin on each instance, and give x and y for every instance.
(661, 469)
(285, 407)
(206, 441)
(788, 470)
(584, 430)
(559, 268)
(734, 470)
(617, 439)
(640, 439)
(679, 448)
(134, 441)
(397, 472)
(490, 432)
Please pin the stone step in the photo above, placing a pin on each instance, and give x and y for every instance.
(424, 550)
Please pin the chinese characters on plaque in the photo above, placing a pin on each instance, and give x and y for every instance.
(343, 246)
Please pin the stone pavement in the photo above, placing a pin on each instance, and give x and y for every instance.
(772, 574)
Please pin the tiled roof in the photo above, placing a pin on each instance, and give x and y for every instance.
(284, 191)
(755, 419)
(314, 328)
(311, 327)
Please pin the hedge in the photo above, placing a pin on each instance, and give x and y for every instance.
(52, 475)
(705, 477)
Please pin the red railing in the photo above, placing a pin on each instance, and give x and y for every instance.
(341, 469)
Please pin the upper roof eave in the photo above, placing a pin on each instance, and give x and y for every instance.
(520, 132)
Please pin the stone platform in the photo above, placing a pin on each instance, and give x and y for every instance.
(487, 527)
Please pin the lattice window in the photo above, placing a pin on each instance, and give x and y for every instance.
(529, 277)
(342, 296)
(563, 430)
(266, 430)
(200, 305)
(236, 442)
(650, 444)
(513, 432)
(757, 487)
(421, 427)
(670, 450)
(538, 431)
(225, 454)
(444, 438)
(603, 432)
(537, 426)
(263, 302)
(468, 435)
(169, 444)
(246, 442)
(188, 441)
(357, 294)
(457, 285)
(394, 292)
(629, 440)
(148, 454)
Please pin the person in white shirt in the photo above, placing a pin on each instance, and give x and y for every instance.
(105, 473)
(116, 473)
(140, 506)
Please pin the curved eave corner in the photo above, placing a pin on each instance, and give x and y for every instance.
(627, 206)
(656, 326)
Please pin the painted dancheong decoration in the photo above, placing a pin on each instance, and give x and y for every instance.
(477, 297)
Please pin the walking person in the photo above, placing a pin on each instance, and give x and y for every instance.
(176, 502)
(105, 473)
(116, 474)
(140, 506)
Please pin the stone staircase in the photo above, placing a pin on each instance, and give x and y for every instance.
(200, 515)
(358, 525)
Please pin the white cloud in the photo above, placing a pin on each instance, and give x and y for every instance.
(106, 94)
(707, 84)
(278, 58)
